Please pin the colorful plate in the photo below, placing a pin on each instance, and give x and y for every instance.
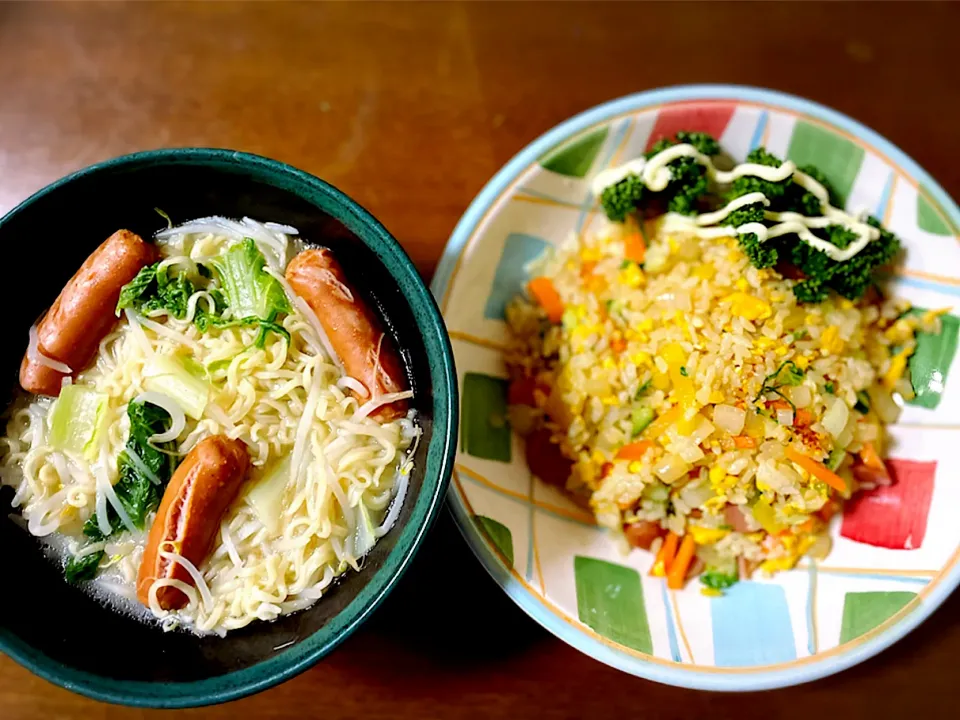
(895, 555)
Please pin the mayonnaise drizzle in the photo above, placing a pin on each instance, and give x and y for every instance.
(656, 175)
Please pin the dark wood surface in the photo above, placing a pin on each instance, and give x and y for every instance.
(410, 108)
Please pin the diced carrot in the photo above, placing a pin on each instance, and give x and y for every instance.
(871, 458)
(520, 392)
(618, 345)
(829, 509)
(587, 268)
(635, 450)
(547, 297)
(659, 426)
(606, 469)
(804, 417)
(666, 554)
(744, 442)
(806, 526)
(634, 248)
(678, 568)
(817, 469)
(779, 404)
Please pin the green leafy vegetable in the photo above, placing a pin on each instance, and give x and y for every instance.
(830, 388)
(643, 388)
(786, 375)
(79, 570)
(836, 457)
(76, 420)
(863, 402)
(144, 469)
(164, 374)
(717, 579)
(640, 418)
(250, 291)
(683, 371)
(153, 289)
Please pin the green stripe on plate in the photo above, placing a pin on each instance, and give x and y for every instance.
(931, 362)
(835, 156)
(499, 535)
(484, 430)
(928, 219)
(863, 611)
(610, 600)
(575, 158)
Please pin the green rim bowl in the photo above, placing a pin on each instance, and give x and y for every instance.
(61, 633)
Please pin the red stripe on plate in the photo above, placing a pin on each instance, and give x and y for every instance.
(696, 117)
(896, 516)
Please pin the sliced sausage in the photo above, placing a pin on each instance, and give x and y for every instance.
(367, 353)
(84, 312)
(199, 493)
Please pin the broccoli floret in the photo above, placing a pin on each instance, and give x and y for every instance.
(746, 214)
(817, 175)
(621, 199)
(850, 278)
(659, 146)
(761, 255)
(703, 142)
(688, 185)
(809, 291)
(750, 183)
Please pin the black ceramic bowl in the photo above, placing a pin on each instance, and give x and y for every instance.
(61, 633)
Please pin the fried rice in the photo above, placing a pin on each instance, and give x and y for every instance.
(699, 408)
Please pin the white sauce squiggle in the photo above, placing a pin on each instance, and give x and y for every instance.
(656, 175)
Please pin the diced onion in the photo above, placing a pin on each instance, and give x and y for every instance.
(835, 418)
(195, 575)
(695, 494)
(177, 416)
(729, 419)
(391, 519)
(670, 468)
(33, 352)
(785, 417)
(800, 395)
(882, 403)
(353, 384)
(377, 402)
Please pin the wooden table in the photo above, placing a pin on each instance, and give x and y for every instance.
(410, 109)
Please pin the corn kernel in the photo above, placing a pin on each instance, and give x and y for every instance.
(598, 457)
(716, 474)
(802, 362)
(707, 536)
(711, 592)
(608, 363)
(715, 504)
(704, 271)
(763, 343)
(831, 342)
(780, 351)
(635, 466)
(716, 396)
(588, 255)
(898, 364)
(846, 304)
(674, 354)
(661, 381)
(742, 284)
(610, 400)
(645, 325)
(747, 306)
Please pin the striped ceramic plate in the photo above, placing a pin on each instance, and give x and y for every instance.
(895, 553)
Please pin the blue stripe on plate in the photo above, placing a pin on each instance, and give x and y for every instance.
(751, 626)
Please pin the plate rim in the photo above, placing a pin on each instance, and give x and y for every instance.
(733, 680)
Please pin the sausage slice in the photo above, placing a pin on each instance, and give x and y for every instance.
(198, 495)
(84, 312)
(353, 330)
